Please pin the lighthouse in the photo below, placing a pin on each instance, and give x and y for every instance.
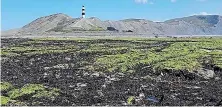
(83, 12)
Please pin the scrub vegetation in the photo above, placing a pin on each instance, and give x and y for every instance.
(124, 54)
(16, 96)
(75, 71)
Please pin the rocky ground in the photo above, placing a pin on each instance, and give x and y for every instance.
(80, 86)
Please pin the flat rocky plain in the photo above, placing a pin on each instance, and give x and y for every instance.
(123, 71)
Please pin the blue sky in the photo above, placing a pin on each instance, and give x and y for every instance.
(17, 13)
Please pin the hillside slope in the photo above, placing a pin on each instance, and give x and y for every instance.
(193, 25)
(46, 23)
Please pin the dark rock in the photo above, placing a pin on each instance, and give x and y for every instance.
(84, 87)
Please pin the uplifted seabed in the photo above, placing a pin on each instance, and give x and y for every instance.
(123, 71)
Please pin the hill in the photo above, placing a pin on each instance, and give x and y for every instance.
(192, 25)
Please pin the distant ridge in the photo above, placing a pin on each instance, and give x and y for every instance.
(192, 25)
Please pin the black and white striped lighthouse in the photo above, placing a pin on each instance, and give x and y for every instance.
(83, 12)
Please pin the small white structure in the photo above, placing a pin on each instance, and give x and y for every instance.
(83, 12)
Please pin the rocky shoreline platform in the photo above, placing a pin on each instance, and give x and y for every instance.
(79, 84)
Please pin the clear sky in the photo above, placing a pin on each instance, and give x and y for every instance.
(17, 13)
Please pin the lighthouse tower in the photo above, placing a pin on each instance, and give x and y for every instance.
(83, 12)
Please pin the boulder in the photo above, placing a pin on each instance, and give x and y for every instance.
(206, 73)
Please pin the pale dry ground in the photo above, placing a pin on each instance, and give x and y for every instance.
(94, 35)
